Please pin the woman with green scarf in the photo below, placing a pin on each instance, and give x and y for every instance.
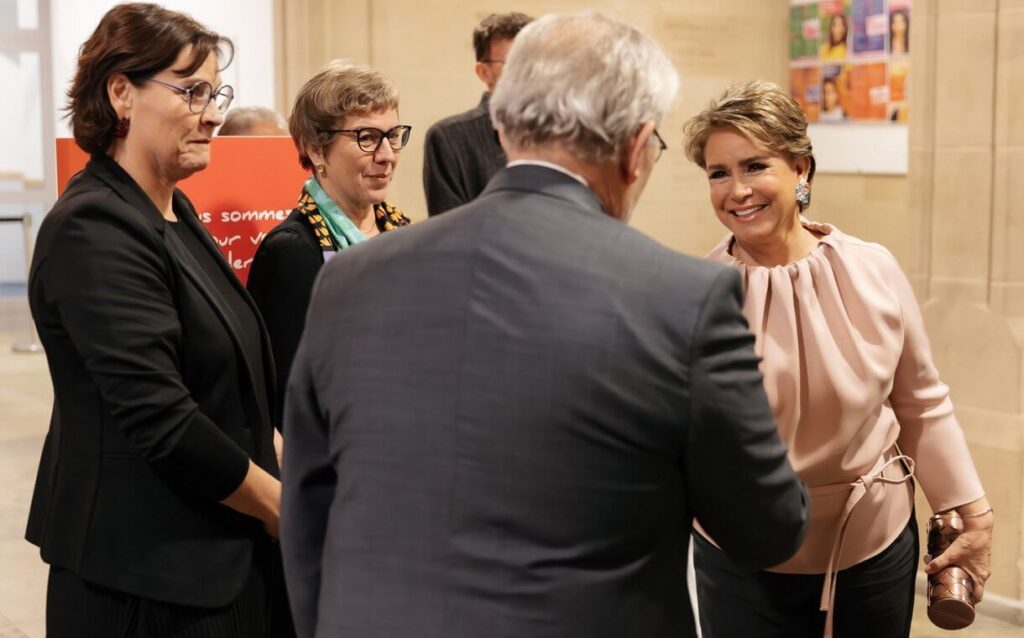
(346, 129)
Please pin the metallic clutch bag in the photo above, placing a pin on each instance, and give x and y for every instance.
(950, 591)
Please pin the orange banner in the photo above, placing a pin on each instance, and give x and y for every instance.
(250, 186)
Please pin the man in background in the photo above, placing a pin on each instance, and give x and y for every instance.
(462, 152)
(503, 421)
(253, 120)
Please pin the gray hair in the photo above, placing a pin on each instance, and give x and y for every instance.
(585, 80)
(241, 120)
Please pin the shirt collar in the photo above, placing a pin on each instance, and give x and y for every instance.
(552, 166)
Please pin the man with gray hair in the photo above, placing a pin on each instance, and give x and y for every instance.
(528, 402)
(253, 120)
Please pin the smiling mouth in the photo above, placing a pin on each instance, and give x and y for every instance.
(747, 212)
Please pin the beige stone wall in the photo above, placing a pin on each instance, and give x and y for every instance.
(967, 140)
(425, 48)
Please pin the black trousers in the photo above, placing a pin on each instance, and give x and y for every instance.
(79, 609)
(873, 598)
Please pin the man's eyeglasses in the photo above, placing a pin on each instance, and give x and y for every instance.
(370, 139)
(201, 94)
(662, 146)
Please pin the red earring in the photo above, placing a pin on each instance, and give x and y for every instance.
(121, 130)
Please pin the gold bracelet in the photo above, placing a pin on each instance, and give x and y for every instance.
(988, 510)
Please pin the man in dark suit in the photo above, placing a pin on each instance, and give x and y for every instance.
(462, 152)
(503, 421)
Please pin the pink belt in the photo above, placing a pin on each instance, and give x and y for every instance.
(859, 487)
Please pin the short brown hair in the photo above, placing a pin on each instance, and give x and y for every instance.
(763, 112)
(339, 89)
(497, 26)
(138, 40)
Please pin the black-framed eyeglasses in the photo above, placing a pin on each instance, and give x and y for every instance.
(370, 139)
(662, 146)
(201, 94)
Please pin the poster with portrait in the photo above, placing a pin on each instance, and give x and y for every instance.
(870, 27)
(861, 61)
(899, 28)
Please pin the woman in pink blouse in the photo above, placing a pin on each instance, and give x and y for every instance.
(850, 378)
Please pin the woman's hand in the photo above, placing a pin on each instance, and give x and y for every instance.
(972, 550)
(259, 496)
(278, 446)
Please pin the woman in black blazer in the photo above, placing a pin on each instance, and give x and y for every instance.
(346, 128)
(157, 497)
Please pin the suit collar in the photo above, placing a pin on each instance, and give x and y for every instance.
(540, 179)
(110, 172)
(186, 215)
(105, 168)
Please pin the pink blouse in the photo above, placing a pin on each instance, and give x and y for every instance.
(850, 379)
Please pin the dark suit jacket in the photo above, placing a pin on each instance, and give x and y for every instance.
(280, 282)
(501, 422)
(157, 410)
(460, 155)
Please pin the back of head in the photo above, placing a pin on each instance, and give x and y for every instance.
(582, 80)
(253, 120)
(760, 110)
(138, 40)
(497, 26)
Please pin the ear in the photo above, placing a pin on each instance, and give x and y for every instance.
(315, 155)
(802, 166)
(634, 152)
(484, 73)
(121, 94)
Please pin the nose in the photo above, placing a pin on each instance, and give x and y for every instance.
(211, 115)
(384, 153)
(740, 189)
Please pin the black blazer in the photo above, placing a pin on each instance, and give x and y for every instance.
(502, 421)
(460, 155)
(280, 281)
(156, 408)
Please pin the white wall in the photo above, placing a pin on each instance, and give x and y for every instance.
(249, 24)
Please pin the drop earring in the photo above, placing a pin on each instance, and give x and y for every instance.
(121, 130)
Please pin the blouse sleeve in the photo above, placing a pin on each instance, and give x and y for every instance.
(929, 431)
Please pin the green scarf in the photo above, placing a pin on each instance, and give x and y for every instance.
(343, 231)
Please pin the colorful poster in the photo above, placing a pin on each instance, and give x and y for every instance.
(862, 63)
(868, 96)
(804, 31)
(899, 71)
(250, 186)
(870, 26)
(834, 94)
(835, 30)
(804, 86)
(899, 28)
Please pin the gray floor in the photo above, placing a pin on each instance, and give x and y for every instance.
(25, 400)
